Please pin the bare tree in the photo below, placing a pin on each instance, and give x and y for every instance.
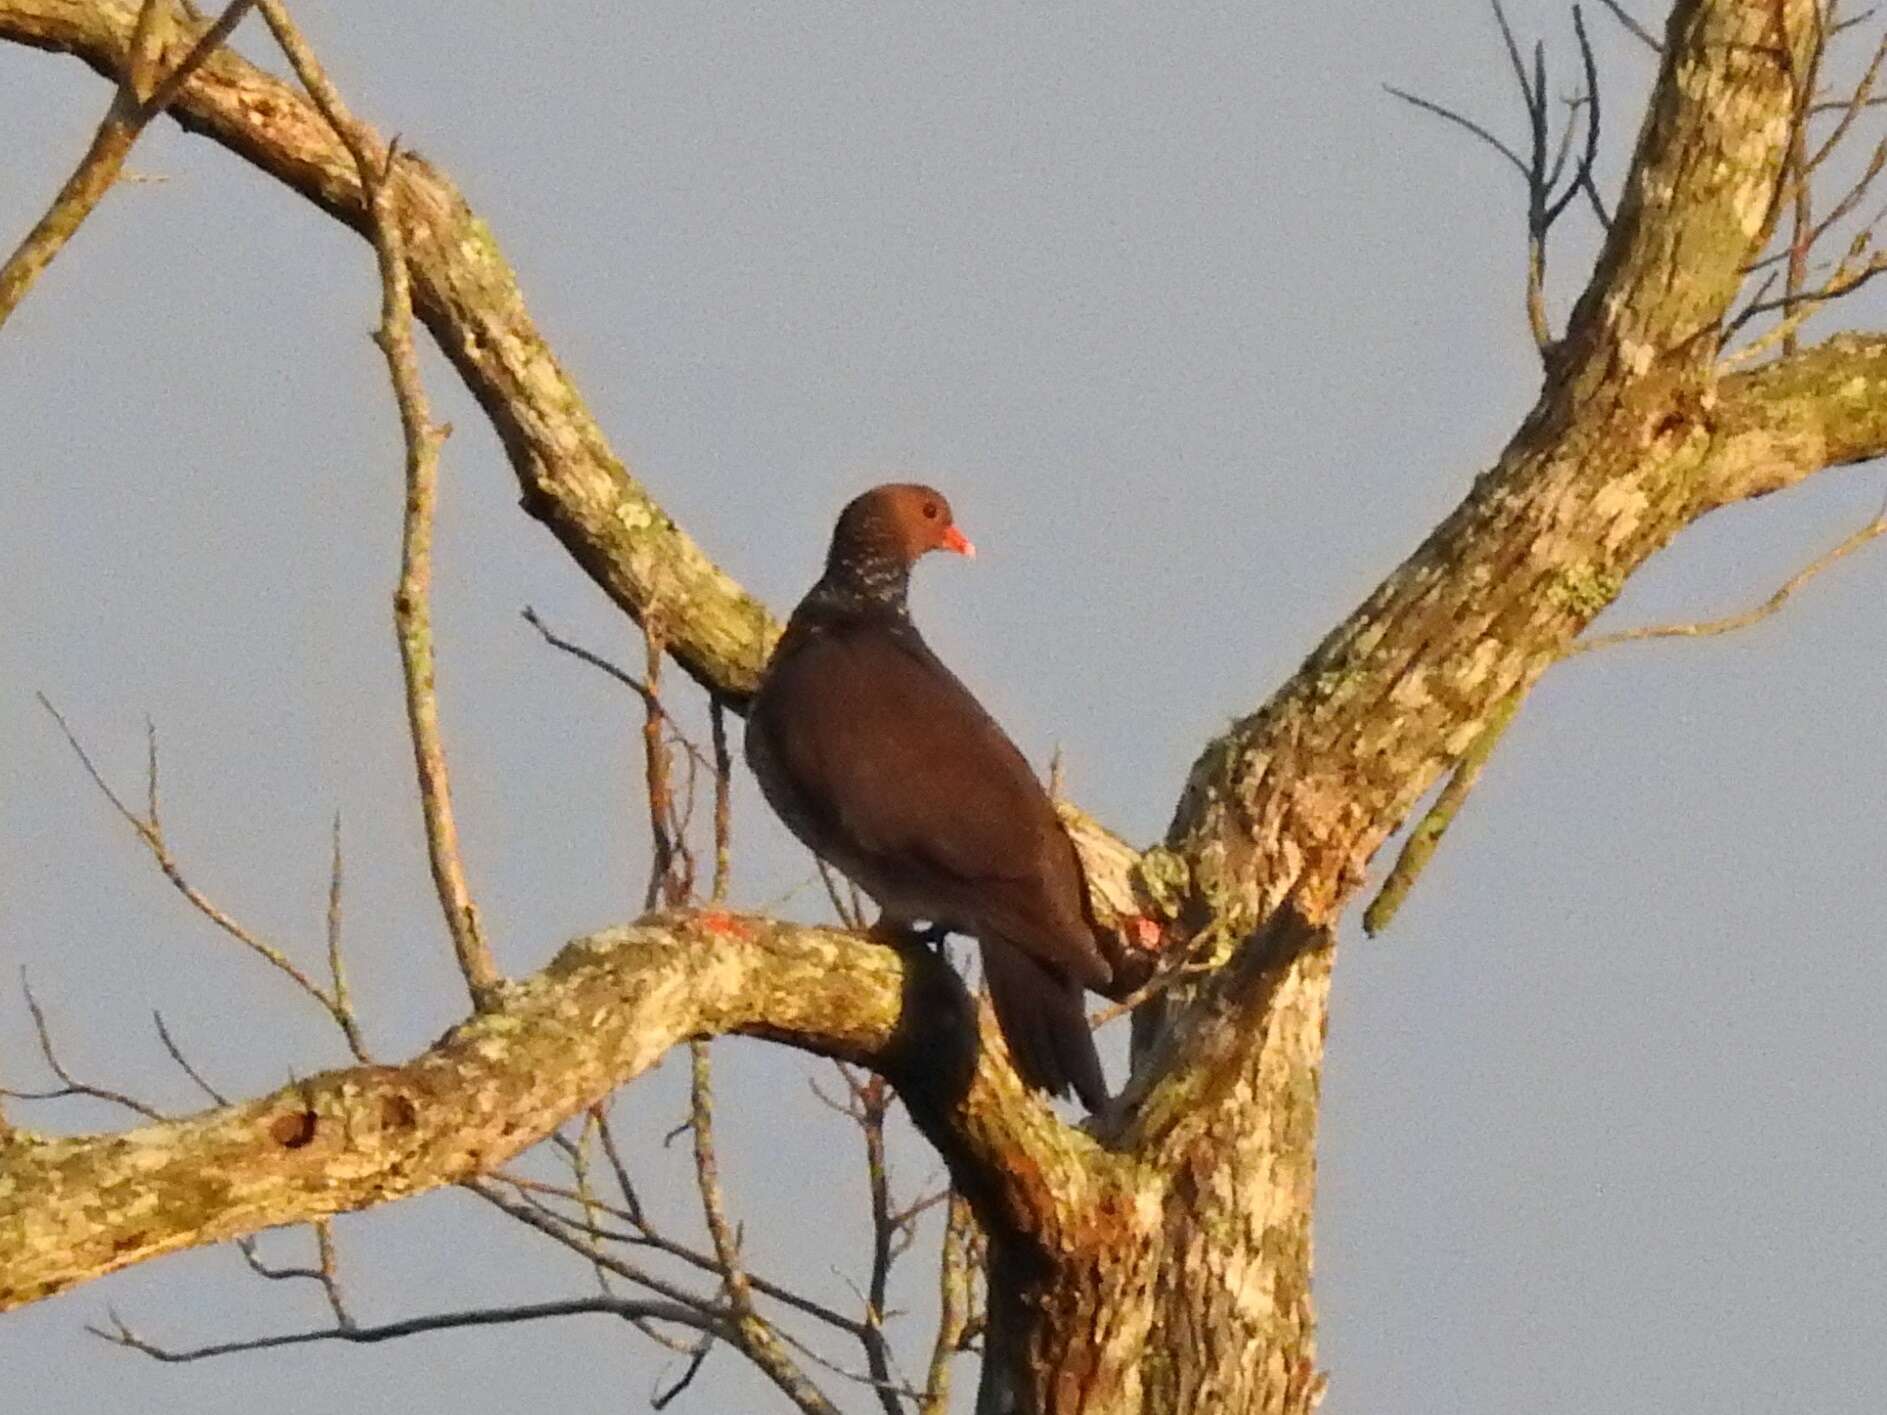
(1680, 382)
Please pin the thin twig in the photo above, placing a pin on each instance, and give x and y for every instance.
(642, 1310)
(751, 1332)
(423, 437)
(873, 1102)
(337, 973)
(183, 1062)
(698, 1353)
(558, 1230)
(142, 94)
(884, 1389)
(953, 1307)
(69, 1084)
(328, 1263)
(1423, 840)
(649, 1238)
(1839, 27)
(152, 835)
(1544, 166)
(578, 1153)
(662, 883)
(850, 914)
(784, 1374)
(1852, 197)
(595, 660)
(325, 1272)
(1460, 120)
(1857, 101)
(1800, 307)
(1729, 623)
(723, 803)
(1513, 57)
(1632, 27)
(624, 1185)
(1582, 178)
(1426, 836)
(1796, 163)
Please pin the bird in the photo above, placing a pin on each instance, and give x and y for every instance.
(886, 767)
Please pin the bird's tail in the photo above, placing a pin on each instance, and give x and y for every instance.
(1045, 1023)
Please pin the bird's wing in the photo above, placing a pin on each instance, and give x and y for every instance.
(898, 756)
(895, 758)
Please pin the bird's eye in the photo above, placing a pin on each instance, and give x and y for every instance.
(930, 510)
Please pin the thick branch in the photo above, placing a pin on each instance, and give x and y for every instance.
(468, 297)
(1825, 406)
(1599, 477)
(75, 1208)
(142, 94)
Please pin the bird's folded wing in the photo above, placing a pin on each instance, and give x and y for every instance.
(878, 737)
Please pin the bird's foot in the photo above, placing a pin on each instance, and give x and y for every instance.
(899, 933)
(932, 937)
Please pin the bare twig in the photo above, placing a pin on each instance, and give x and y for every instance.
(149, 831)
(649, 1238)
(1796, 163)
(670, 812)
(337, 974)
(1527, 93)
(1852, 197)
(560, 1230)
(1843, 25)
(142, 94)
(1462, 121)
(595, 660)
(150, 775)
(873, 1100)
(662, 850)
(851, 913)
(782, 1371)
(723, 802)
(1632, 27)
(326, 1270)
(1423, 840)
(328, 1264)
(698, 1353)
(1426, 836)
(953, 1306)
(1544, 165)
(1729, 623)
(1857, 101)
(1849, 276)
(1582, 179)
(638, 1310)
(887, 1391)
(578, 1153)
(752, 1332)
(69, 1084)
(624, 1185)
(183, 1062)
(411, 611)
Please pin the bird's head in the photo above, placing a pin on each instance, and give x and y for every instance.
(892, 526)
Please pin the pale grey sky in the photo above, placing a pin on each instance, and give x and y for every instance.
(1201, 332)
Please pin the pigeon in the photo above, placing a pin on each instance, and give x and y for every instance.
(886, 767)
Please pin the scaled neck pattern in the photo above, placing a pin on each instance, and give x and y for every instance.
(864, 583)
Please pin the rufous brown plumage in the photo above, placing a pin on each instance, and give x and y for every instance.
(886, 767)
